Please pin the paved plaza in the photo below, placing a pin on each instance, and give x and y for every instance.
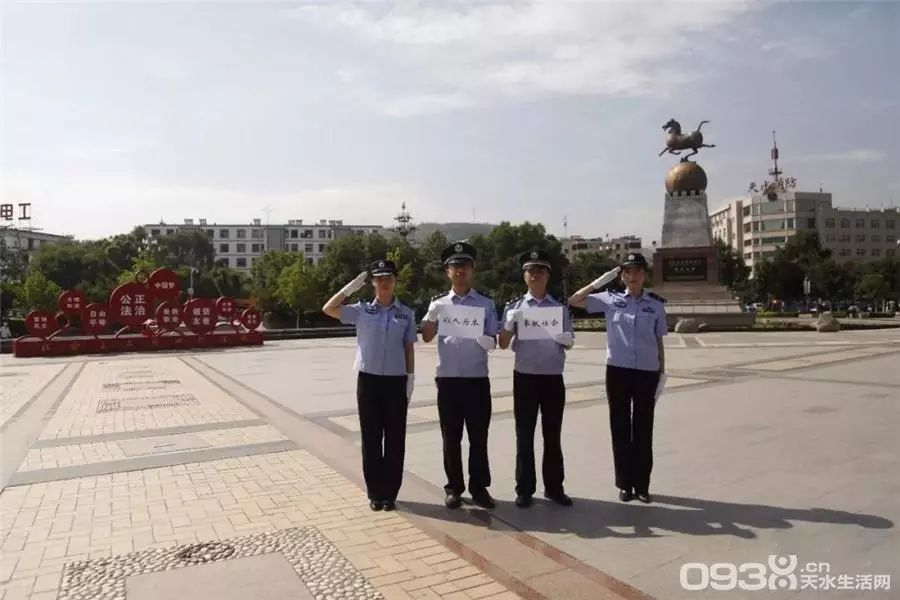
(236, 473)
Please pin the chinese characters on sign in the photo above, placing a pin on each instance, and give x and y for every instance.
(129, 304)
(251, 319)
(71, 302)
(8, 210)
(40, 323)
(226, 308)
(684, 269)
(95, 318)
(168, 316)
(200, 315)
(164, 286)
(540, 323)
(461, 321)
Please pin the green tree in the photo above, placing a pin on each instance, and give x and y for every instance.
(191, 248)
(264, 276)
(38, 292)
(733, 271)
(299, 287)
(872, 286)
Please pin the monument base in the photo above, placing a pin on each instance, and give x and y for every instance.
(688, 279)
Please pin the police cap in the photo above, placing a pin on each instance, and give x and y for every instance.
(458, 252)
(382, 267)
(539, 258)
(634, 259)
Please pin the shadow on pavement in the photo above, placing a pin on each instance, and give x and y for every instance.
(591, 518)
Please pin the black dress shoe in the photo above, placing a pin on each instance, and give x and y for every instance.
(560, 498)
(452, 500)
(389, 505)
(483, 499)
(375, 505)
(523, 500)
(626, 495)
(644, 497)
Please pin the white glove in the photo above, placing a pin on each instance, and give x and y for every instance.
(566, 338)
(512, 317)
(659, 386)
(487, 342)
(410, 384)
(355, 285)
(434, 311)
(605, 278)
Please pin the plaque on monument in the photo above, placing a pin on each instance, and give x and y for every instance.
(685, 269)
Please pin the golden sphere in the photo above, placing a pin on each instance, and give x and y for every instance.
(685, 178)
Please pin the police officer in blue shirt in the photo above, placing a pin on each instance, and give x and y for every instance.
(635, 362)
(537, 383)
(385, 333)
(464, 390)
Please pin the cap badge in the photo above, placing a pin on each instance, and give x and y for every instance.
(534, 255)
(631, 257)
(381, 264)
(457, 248)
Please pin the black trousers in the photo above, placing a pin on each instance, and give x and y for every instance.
(630, 394)
(381, 400)
(465, 402)
(547, 394)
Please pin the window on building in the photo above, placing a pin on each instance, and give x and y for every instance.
(845, 223)
(256, 234)
(222, 262)
(223, 248)
(242, 234)
(876, 238)
(747, 242)
(860, 251)
(170, 231)
(240, 262)
(748, 255)
(746, 211)
(223, 234)
(308, 248)
(829, 223)
(294, 234)
(309, 259)
(811, 223)
(307, 234)
(860, 237)
(889, 224)
(210, 233)
(295, 247)
(255, 247)
(154, 232)
(746, 227)
(876, 251)
(890, 239)
(321, 248)
(845, 251)
(875, 225)
(890, 252)
(790, 223)
(845, 237)
(241, 248)
(860, 223)
(829, 237)
(323, 234)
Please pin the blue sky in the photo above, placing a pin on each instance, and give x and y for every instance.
(116, 114)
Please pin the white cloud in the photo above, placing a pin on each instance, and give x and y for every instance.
(860, 155)
(464, 55)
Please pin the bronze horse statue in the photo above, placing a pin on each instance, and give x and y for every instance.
(676, 141)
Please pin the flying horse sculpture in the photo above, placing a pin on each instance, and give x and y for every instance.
(676, 141)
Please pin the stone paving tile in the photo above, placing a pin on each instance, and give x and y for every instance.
(98, 452)
(47, 525)
(170, 394)
(19, 383)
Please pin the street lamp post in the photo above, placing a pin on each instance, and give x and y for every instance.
(806, 289)
(191, 286)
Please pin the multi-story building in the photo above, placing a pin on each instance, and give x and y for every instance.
(617, 248)
(757, 225)
(26, 241)
(238, 246)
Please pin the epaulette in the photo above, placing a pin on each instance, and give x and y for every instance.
(516, 299)
(436, 296)
(657, 297)
(483, 294)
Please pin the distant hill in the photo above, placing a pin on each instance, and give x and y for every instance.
(453, 231)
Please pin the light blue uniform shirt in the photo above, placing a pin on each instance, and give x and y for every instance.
(633, 326)
(538, 357)
(381, 333)
(463, 357)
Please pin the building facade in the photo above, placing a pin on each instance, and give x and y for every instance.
(26, 241)
(757, 225)
(617, 248)
(238, 246)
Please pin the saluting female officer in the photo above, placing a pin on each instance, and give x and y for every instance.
(635, 362)
(385, 333)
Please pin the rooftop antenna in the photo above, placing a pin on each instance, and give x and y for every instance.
(775, 172)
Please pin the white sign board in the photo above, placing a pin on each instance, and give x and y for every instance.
(461, 321)
(540, 323)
